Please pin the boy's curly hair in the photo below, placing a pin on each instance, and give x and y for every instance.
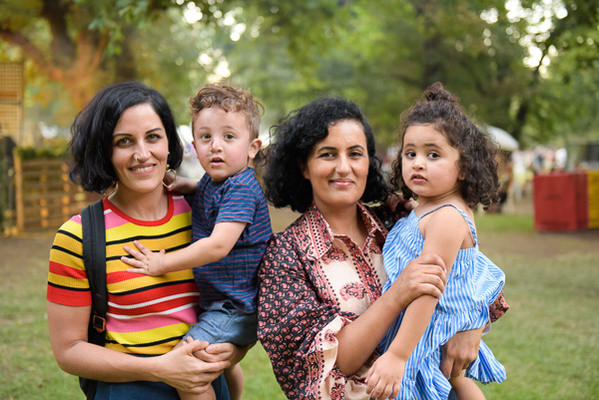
(477, 163)
(230, 99)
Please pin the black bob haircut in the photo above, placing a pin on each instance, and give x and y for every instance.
(292, 141)
(91, 142)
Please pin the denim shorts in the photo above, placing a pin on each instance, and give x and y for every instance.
(222, 322)
(144, 390)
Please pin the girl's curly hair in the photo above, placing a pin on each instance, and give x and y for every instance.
(292, 141)
(477, 163)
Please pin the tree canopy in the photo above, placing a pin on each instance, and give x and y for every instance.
(529, 67)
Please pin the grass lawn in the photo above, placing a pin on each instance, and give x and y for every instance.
(548, 341)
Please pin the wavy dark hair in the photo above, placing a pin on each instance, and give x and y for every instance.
(91, 142)
(292, 140)
(477, 163)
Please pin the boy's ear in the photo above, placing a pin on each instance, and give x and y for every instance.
(193, 144)
(254, 148)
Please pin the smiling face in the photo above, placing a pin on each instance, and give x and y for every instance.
(223, 143)
(139, 150)
(337, 166)
(429, 163)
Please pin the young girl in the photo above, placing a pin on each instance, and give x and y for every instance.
(449, 166)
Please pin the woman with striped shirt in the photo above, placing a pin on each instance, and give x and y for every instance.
(126, 138)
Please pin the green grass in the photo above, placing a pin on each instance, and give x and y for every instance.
(548, 340)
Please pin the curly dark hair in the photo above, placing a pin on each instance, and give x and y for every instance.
(478, 163)
(91, 142)
(292, 141)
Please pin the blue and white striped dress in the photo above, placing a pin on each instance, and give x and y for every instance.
(473, 284)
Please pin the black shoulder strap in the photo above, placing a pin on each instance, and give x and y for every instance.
(94, 258)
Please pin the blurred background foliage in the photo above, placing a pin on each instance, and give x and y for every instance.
(530, 67)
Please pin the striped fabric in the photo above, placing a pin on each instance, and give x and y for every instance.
(146, 315)
(473, 284)
(237, 199)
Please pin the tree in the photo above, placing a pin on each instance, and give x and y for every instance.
(567, 66)
(85, 44)
(382, 55)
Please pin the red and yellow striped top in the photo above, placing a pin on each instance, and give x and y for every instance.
(146, 315)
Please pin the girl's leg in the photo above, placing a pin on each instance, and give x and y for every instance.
(466, 389)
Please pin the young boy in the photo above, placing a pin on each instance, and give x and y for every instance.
(230, 222)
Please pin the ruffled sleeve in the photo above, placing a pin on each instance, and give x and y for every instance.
(498, 308)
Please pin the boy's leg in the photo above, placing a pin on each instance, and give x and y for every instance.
(235, 382)
(222, 322)
(207, 395)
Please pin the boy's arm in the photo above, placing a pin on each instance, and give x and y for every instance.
(181, 185)
(204, 251)
(385, 376)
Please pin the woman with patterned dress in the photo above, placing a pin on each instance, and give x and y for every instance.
(321, 310)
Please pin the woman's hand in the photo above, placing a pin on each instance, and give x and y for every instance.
(424, 275)
(181, 369)
(459, 352)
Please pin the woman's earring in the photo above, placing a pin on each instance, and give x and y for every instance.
(168, 169)
(114, 187)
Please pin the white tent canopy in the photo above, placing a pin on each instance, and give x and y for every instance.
(504, 140)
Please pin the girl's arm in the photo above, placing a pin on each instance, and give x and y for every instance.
(424, 276)
(385, 376)
(204, 251)
(75, 355)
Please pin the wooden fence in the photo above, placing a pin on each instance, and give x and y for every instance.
(44, 195)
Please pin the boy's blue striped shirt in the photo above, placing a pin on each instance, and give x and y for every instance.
(237, 199)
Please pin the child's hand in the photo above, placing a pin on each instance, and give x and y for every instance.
(179, 184)
(397, 200)
(385, 375)
(145, 261)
